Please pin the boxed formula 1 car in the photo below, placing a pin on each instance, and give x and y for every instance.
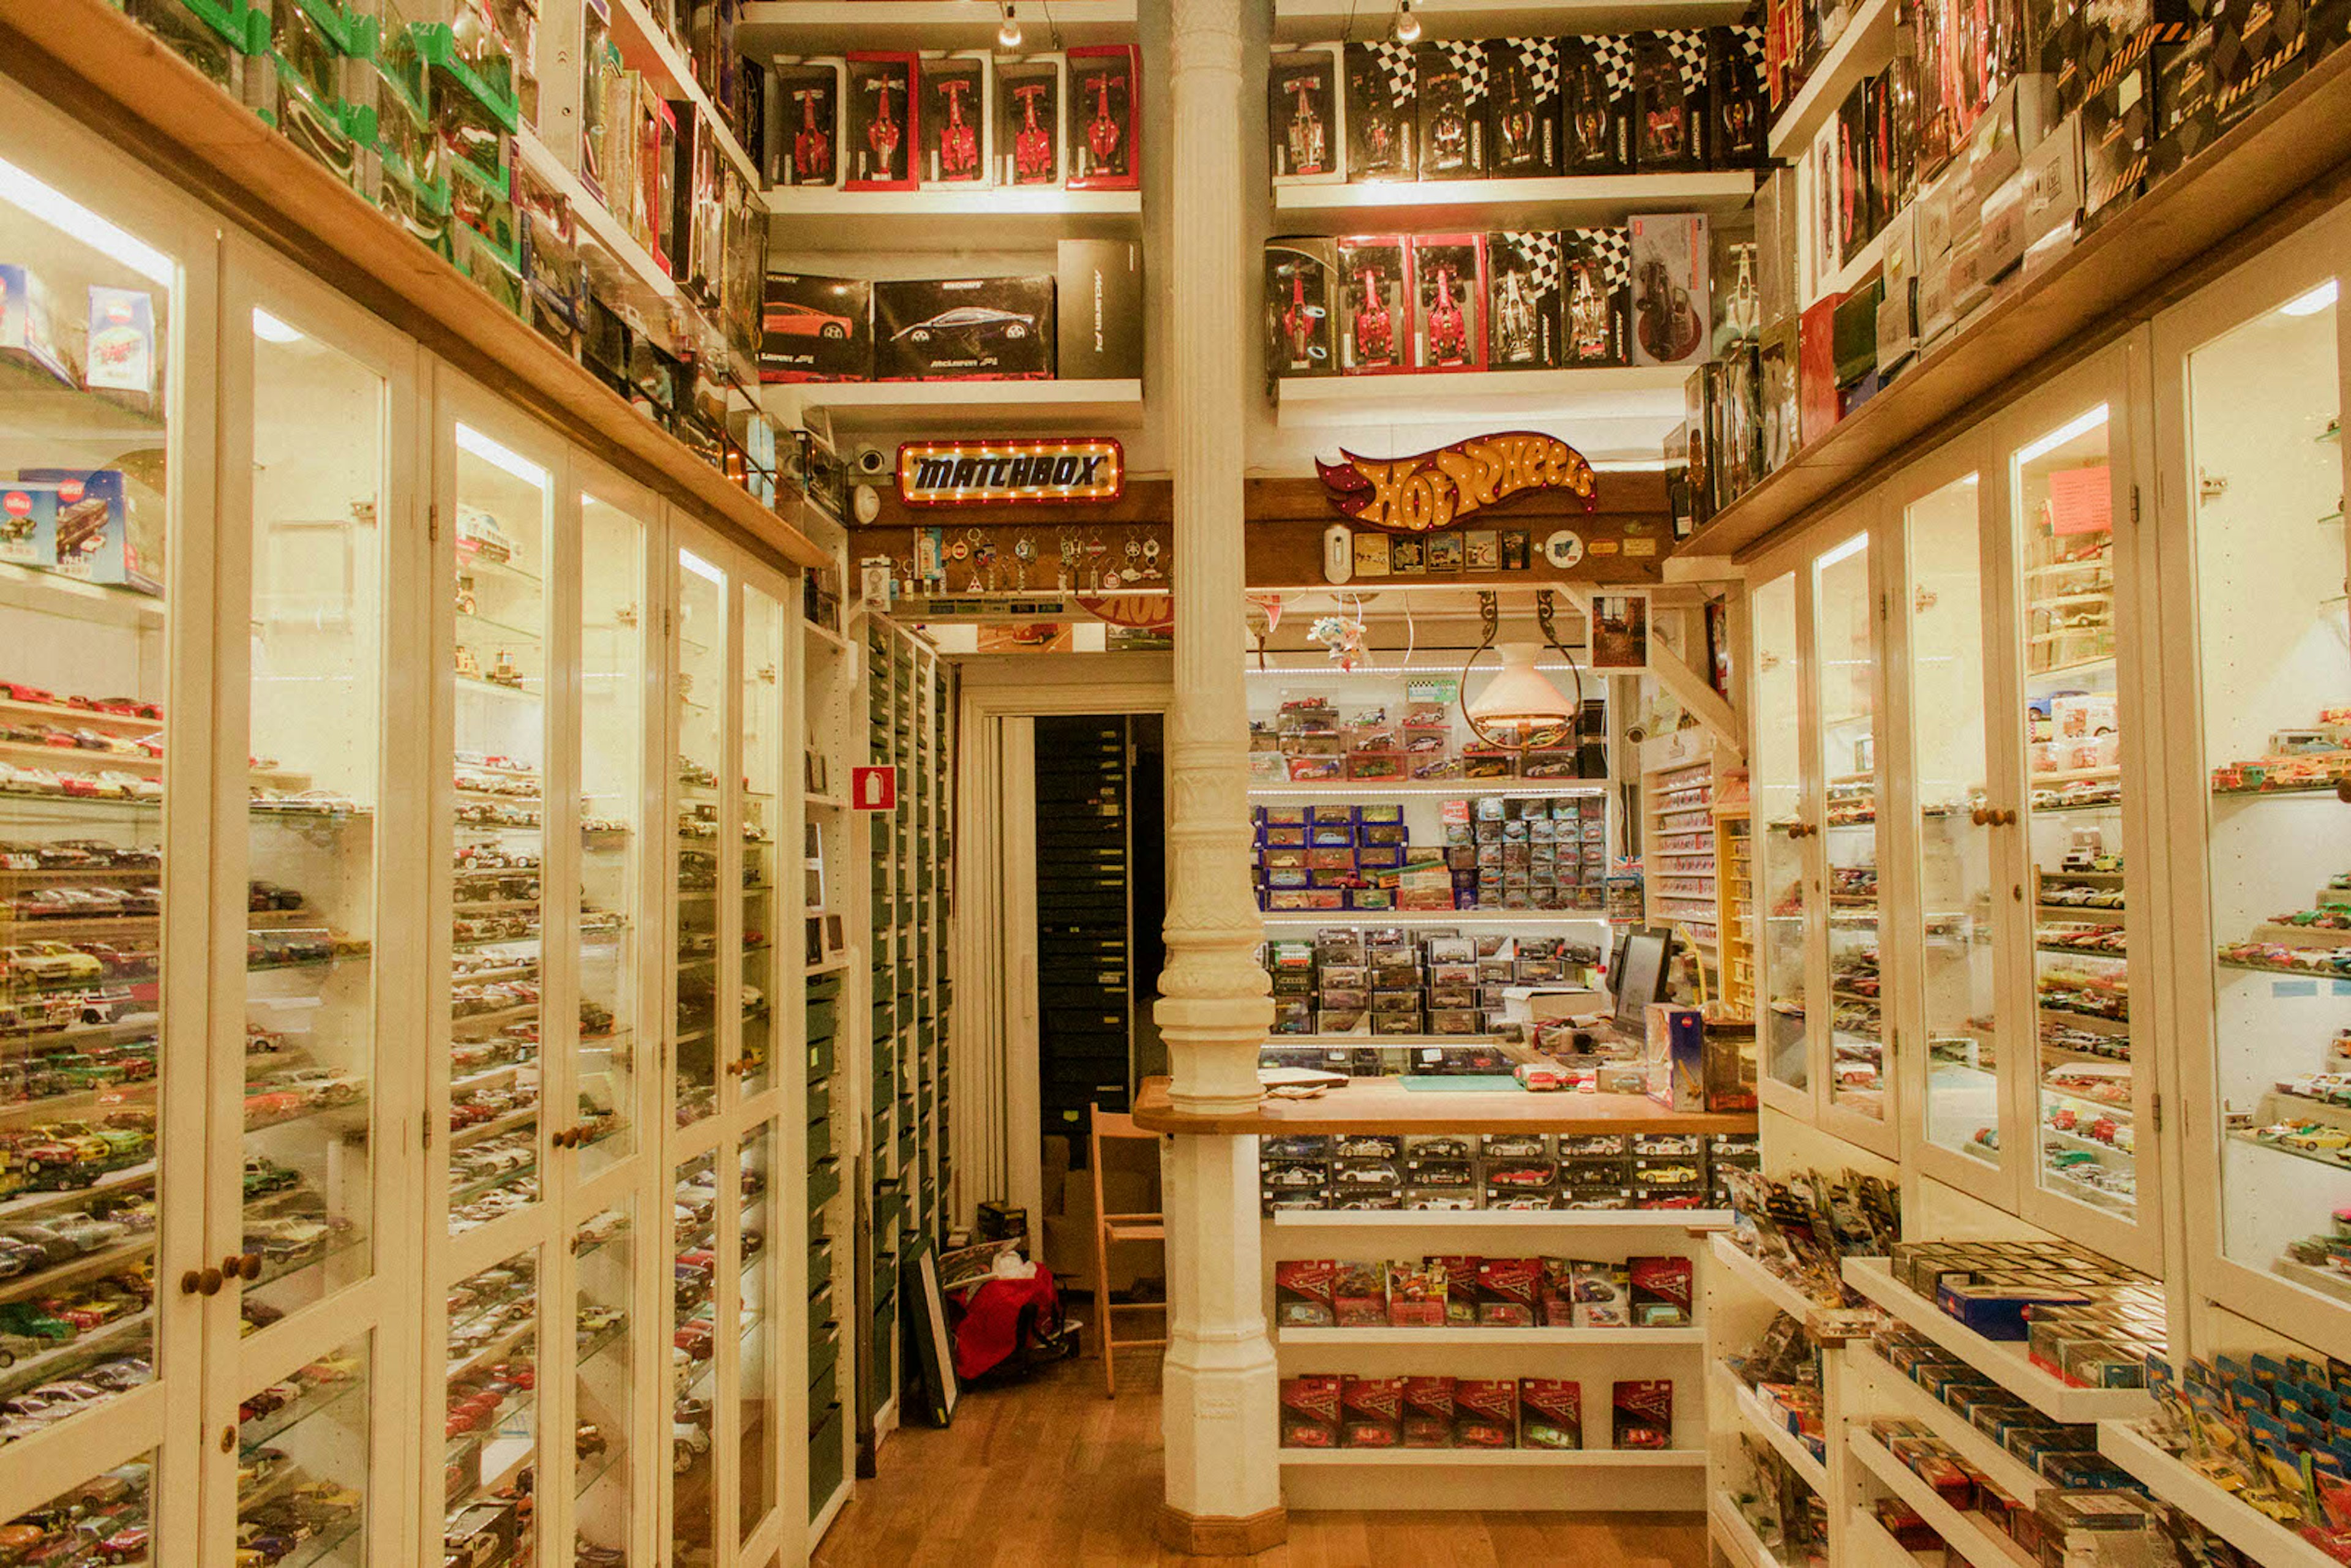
(1305, 140)
(1374, 305)
(1449, 95)
(1522, 101)
(881, 116)
(1301, 294)
(1595, 95)
(1029, 121)
(1383, 123)
(963, 328)
(1449, 272)
(806, 114)
(1104, 122)
(1525, 272)
(955, 119)
(1597, 295)
(1669, 110)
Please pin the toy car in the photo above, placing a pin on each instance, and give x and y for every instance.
(1448, 333)
(972, 319)
(1374, 334)
(689, 1443)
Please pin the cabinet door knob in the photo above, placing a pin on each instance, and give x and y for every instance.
(2006, 817)
(241, 1266)
(201, 1283)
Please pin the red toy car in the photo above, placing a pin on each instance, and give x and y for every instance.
(1449, 333)
(1374, 334)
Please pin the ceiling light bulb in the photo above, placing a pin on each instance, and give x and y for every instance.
(1408, 26)
(1008, 36)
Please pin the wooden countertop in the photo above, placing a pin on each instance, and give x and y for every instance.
(1385, 1105)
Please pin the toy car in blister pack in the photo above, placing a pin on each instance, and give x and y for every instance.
(1105, 82)
(1303, 135)
(1450, 99)
(1595, 96)
(883, 121)
(1522, 84)
(1299, 320)
(1374, 306)
(1595, 304)
(1383, 127)
(955, 121)
(1669, 118)
(1448, 275)
(1029, 121)
(807, 148)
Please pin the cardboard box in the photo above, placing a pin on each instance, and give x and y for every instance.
(1305, 135)
(1596, 297)
(1670, 305)
(1309, 1412)
(1897, 310)
(98, 533)
(1029, 96)
(1738, 130)
(1525, 272)
(1643, 1413)
(29, 525)
(1104, 121)
(957, 118)
(1776, 374)
(964, 329)
(2187, 110)
(1448, 274)
(2118, 134)
(1375, 299)
(884, 124)
(1098, 310)
(1303, 296)
(1449, 98)
(1669, 106)
(1817, 408)
(1551, 1413)
(806, 149)
(1522, 108)
(817, 329)
(1383, 127)
(29, 339)
(1674, 1052)
(1596, 104)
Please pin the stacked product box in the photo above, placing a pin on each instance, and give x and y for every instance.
(2065, 1454)
(1395, 981)
(1494, 1171)
(1331, 856)
(1509, 852)
(1345, 1411)
(1310, 741)
(2084, 1320)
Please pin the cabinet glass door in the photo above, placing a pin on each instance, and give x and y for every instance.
(1845, 657)
(504, 534)
(694, 1365)
(2061, 493)
(88, 442)
(1783, 892)
(302, 1459)
(759, 1415)
(604, 1408)
(614, 652)
(1957, 946)
(2266, 459)
(315, 719)
(106, 1518)
(700, 699)
(762, 722)
(491, 1420)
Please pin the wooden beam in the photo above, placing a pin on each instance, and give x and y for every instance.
(97, 64)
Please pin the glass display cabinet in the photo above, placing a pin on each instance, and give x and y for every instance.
(1826, 1048)
(2249, 379)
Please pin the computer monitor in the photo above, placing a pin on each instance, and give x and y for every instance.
(1636, 976)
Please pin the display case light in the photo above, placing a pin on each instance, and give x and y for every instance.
(1406, 29)
(270, 330)
(1008, 36)
(61, 211)
(501, 457)
(2311, 303)
(2062, 435)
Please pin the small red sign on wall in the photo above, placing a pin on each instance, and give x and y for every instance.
(873, 788)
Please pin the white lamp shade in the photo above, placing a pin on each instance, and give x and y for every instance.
(1520, 694)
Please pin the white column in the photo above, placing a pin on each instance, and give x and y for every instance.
(1223, 1491)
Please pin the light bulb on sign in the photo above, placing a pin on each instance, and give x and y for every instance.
(1008, 36)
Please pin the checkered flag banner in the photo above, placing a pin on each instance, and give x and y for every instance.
(1536, 253)
(1612, 249)
(1687, 47)
(1397, 63)
(1749, 36)
(1467, 56)
(1539, 57)
(1613, 54)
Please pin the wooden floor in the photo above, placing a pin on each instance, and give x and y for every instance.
(1053, 1473)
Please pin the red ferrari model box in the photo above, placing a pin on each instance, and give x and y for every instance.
(883, 121)
(1300, 307)
(1374, 305)
(1104, 122)
(963, 328)
(953, 150)
(816, 328)
(1029, 121)
(1448, 274)
(806, 149)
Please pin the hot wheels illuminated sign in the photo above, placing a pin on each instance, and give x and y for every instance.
(1436, 489)
(1010, 472)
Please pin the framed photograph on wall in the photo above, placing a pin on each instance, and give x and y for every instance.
(1620, 630)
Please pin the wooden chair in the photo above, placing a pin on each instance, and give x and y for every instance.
(1109, 1126)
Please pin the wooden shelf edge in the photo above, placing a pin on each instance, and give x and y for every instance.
(2282, 165)
(123, 81)
(1352, 1110)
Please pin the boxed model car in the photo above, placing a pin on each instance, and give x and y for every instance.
(1525, 272)
(1523, 87)
(1028, 149)
(1105, 119)
(1596, 297)
(955, 118)
(1669, 111)
(1301, 295)
(1374, 305)
(963, 328)
(805, 148)
(1736, 127)
(1670, 303)
(1382, 123)
(882, 118)
(1304, 141)
(1448, 275)
(1595, 113)
(1450, 98)
(817, 329)
(1098, 307)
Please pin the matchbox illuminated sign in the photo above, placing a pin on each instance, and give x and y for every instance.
(1435, 489)
(1007, 473)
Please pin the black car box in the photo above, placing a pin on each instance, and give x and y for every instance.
(963, 328)
(817, 329)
